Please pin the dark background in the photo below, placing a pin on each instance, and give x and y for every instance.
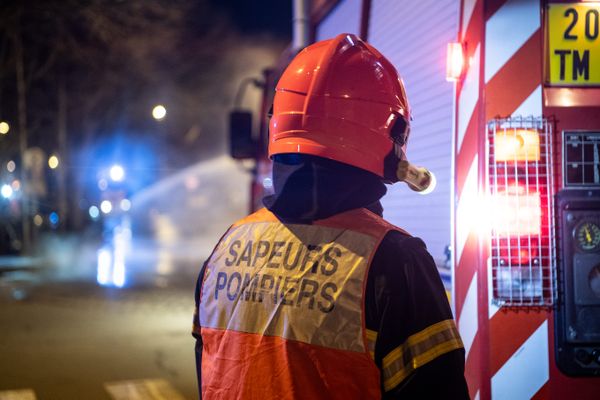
(112, 61)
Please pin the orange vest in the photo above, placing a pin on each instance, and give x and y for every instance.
(282, 310)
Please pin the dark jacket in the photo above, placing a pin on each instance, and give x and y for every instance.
(405, 297)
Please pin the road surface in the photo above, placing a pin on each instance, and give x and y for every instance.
(77, 340)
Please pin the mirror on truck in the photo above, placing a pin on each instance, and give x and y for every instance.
(241, 143)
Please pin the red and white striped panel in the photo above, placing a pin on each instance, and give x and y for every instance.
(507, 351)
(467, 279)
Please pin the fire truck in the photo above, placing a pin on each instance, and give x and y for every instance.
(506, 102)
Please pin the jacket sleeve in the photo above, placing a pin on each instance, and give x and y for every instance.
(410, 325)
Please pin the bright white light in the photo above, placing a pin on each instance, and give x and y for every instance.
(117, 173)
(4, 128)
(118, 274)
(121, 241)
(106, 206)
(104, 266)
(53, 161)
(159, 112)
(125, 205)
(6, 191)
(516, 212)
(94, 212)
(10, 166)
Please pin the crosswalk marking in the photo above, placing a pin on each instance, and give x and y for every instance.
(142, 389)
(22, 394)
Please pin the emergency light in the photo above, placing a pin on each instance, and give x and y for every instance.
(516, 212)
(520, 191)
(454, 61)
(517, 145)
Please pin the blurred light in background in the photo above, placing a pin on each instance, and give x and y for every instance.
(10, 166)
(111, 258)
(94, 212)
(122, 236)
(125, 205)
(53, 218)
(102, 184)
(4, 127)
(117, 173)
(6, 191)
(16, 185)
(104, 264)
(267, 183)
(53, 161)
(38, 220)
(159, 112)
(106, 206)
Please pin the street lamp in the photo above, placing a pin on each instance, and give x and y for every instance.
(117, 173)
(106, 206)
(53, 161)
(4, 128)
(159, 112)
(10, 166)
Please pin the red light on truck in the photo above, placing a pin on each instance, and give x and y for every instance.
(455, 61)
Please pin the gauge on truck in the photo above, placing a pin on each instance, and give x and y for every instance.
(587, 236)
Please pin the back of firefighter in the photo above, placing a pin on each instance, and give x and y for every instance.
(316, 296)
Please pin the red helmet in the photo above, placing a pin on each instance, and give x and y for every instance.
(341, 99)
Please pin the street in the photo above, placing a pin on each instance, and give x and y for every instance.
(77, 340)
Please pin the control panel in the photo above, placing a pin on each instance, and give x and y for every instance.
(577, 324)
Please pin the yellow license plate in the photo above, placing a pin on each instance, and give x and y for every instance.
(574, 44)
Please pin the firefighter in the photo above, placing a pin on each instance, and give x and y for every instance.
(316, 296)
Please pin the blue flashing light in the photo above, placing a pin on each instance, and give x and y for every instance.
(53, 218)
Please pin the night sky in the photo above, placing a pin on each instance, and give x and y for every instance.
(274, 16)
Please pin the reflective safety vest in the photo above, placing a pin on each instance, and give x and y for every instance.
(282, 309)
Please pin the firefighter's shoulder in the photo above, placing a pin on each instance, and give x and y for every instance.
(402, 259)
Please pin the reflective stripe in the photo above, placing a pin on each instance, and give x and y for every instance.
(418, 350)
(371, 341)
